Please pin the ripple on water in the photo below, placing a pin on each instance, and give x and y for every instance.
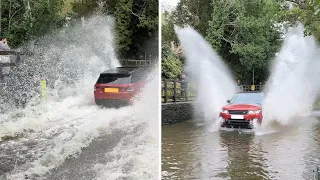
(233, 153)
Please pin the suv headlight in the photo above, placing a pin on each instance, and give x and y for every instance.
(254, 112)
(224, 111)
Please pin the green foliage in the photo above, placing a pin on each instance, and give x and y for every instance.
(136, 21)
(25, 20)
(123, 18)
(307, 12)
(195, 13)
(167, 29)
(84, 7)
(148, 14)
(257, 40)
(241, 31)
(171, 65)
(188, 12)
(45, 16)
(220, 25)
(144, 26)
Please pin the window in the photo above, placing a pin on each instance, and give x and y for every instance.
(247, 98)
(136, 77)
(114, 79)
(139, 76)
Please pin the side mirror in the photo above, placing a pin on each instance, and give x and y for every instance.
(228, 101)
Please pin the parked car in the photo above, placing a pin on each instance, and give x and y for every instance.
(118, 87)
(243, 110)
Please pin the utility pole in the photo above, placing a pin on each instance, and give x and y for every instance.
(252, 76)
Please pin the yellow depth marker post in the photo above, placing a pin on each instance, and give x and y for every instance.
(43, 83)
(253, 87)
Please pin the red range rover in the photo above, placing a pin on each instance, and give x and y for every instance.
(117, 87)
(243, 110)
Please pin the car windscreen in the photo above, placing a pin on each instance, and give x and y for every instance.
(247, 98)
(114, 79)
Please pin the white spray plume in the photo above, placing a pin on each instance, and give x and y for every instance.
(295, 79)
(212, 78)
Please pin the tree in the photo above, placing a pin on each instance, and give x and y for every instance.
(171, 66)
(193, 12)
(307, 12)
(136, 21)
(144, 24)
(84, 7)
(167, 29)
(136, 24)
(23, 20)
(244, 34)
(123, 30)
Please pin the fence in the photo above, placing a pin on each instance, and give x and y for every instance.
(171, 91)
(246, 88)
(136, 63)
(11, 58)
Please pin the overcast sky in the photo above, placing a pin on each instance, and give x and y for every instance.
(168, 5)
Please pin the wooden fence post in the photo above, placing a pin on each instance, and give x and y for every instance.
(165, 91)
(174, 91)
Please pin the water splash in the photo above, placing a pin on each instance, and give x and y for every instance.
(294, 81)
(142, 153)
(69, 121)
(212, 78)
(73, 55)
(68, 129)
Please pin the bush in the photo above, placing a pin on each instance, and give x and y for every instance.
(171, 64)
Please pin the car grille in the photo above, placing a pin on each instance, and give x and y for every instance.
(237, 123)
(240, 112)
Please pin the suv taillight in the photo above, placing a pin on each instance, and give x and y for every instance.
(130, 89)
(97, 88)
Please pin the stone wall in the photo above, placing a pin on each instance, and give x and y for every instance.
(176, 112)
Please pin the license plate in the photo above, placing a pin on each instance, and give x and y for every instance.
(111, 90)
(237, 116)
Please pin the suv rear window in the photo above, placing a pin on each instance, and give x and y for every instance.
(114, 79)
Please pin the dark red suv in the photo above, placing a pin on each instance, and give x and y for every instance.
(117, 87)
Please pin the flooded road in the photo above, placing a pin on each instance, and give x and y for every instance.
(112, 148)
(191, 151)
(76, 140)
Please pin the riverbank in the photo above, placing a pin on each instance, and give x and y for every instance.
(176, 112)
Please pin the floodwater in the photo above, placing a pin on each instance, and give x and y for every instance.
(191, 151)
(74, 140)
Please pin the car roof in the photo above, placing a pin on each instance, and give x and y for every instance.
(121, 70)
